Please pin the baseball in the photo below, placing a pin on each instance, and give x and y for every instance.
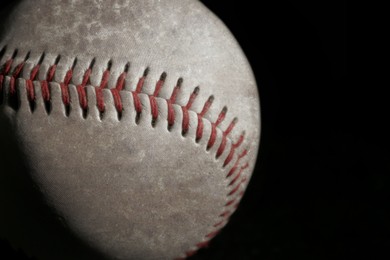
(136, 122)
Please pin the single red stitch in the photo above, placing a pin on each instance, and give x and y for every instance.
(81, 89)
(213, 136)
(45, 90)
(7, 67)
(99, 91)
(171, 114)
(51, 72)
(159, 84)
(225, 214)
(232, 170)
(207, 106)
(65, 87)
(192, 98)
(152, 99)
(153, 107)
(34, 72)
(230, 202)
(141, 81)
(105, 78)
(82, 97)
(137, 103)
(199, 129)
(65, 94)
(121, 81)
(222, 146)
(186, 120)
(117, 100)
(30, 90)
(176, 91)
(18, 70)
(86, 77)
(100, 100)
(219, 223)
(221, 116)
(140, 85)
(231, 126)
(68, 77)
(171, 101)
(186, 116)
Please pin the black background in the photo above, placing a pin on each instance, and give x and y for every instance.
(318, 191)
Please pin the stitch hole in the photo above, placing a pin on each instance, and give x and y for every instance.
(84, 107)
(67, 110)
(85, 113)
(32, 105)
(109, 65)
(57, 60)
(2, 52)
(48, 107)
(146, 72)
(93, 61)
(120, 115)
(127, 67)
(15, 54)
(154, 121)
(101, 115)
(27, 56)
(43, 55)
(138, 118)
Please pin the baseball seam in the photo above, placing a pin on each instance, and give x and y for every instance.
(236, 176)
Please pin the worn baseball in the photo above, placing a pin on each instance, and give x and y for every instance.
(136, 121)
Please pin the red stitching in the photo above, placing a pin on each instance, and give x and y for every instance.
(137, 103)
(186, 116)
(45, 91)
(214, 126)
(222, 146)
(82, 97)
(34, 72)
(237, 178)
(153, 102)
(153, 107)
(206, 107)
(51, 72)
(171, 101)
(100, 100)
(30, 90)
(15, 75)
(233, 149)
